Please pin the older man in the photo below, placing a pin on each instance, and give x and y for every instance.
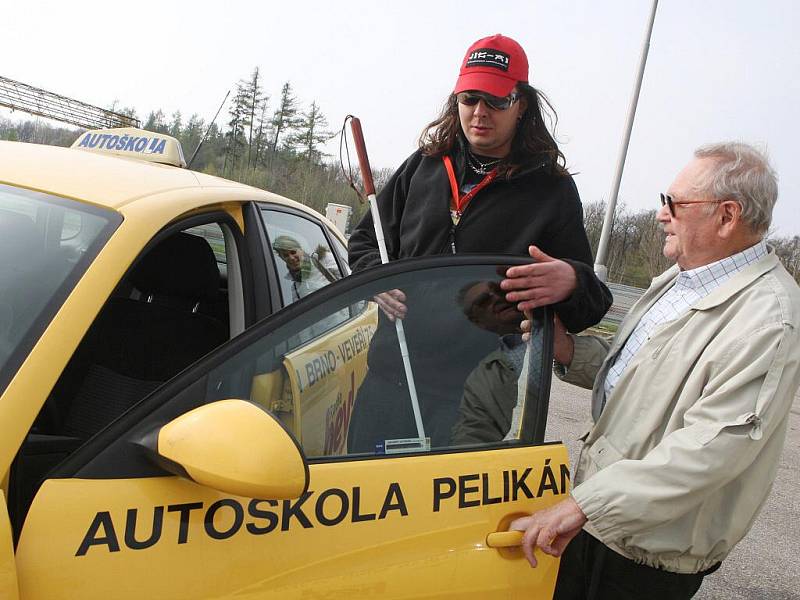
(690, 401)
(306, 272)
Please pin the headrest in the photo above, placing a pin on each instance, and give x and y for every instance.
(182, 265)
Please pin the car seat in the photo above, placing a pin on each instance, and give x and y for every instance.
(136, 344)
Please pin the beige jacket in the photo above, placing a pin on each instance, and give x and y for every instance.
(675, 469)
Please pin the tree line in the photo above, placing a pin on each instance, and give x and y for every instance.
(275, 144)
(271, 143)
(278, 145)
(636, 243)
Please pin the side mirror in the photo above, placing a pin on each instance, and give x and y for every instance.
(233, 446)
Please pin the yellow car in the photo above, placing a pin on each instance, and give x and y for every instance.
(196, 403)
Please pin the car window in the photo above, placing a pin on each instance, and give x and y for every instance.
(344, 394)
(346, 391)
(46, 243)
(303, 258)
(228, 305)
(173, 306)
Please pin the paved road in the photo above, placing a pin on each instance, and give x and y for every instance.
(766, 564)
(625, 296)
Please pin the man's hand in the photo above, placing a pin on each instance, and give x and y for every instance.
(392, 304)
(546, 281)
(550, 529)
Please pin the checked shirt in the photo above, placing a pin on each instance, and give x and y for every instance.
(690, 286)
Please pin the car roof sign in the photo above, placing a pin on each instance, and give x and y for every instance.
(133, 143)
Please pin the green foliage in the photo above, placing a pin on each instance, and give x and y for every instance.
(279, 150)
(285, 116)
(156, 121)
(36, 132)
(176, 127)
(310, 132)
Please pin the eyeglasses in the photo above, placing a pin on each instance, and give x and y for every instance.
(493, 102)
(671, 204)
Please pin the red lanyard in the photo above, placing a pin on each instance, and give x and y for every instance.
(458, 203)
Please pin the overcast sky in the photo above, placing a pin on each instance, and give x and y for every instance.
(717, 70)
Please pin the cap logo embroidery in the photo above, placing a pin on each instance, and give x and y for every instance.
(488, 57)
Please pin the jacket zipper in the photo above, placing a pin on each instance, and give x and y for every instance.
(459, 216)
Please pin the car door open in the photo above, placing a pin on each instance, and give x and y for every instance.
(390, 511)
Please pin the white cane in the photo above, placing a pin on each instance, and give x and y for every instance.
(369, 188)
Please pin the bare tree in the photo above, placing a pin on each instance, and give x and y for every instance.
(593, 215)
(788, 250)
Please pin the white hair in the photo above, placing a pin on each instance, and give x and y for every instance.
(742, 173)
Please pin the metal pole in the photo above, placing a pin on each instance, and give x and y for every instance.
(369, 188)
(203, 139)
(602, 248)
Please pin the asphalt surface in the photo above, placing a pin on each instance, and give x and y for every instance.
(766, 564)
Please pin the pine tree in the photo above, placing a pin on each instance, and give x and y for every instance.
(176, 128)
(310, 133)
(254, 98)
(190, 138)
(285, 117)
(237, 125)
(156, 122)
(262, 131)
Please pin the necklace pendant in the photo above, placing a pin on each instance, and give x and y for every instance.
(479, 167)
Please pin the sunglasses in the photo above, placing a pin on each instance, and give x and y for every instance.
(493, 102)
(671, 204)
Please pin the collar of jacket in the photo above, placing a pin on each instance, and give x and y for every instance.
(725, 291)
(660, 284)
(737, 282)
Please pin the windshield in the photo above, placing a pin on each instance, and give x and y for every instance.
(46, 243)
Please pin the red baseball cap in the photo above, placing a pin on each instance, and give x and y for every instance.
(493, 65)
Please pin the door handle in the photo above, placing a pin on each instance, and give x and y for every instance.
(504, 539)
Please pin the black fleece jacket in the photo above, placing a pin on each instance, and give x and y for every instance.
(532, 206)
